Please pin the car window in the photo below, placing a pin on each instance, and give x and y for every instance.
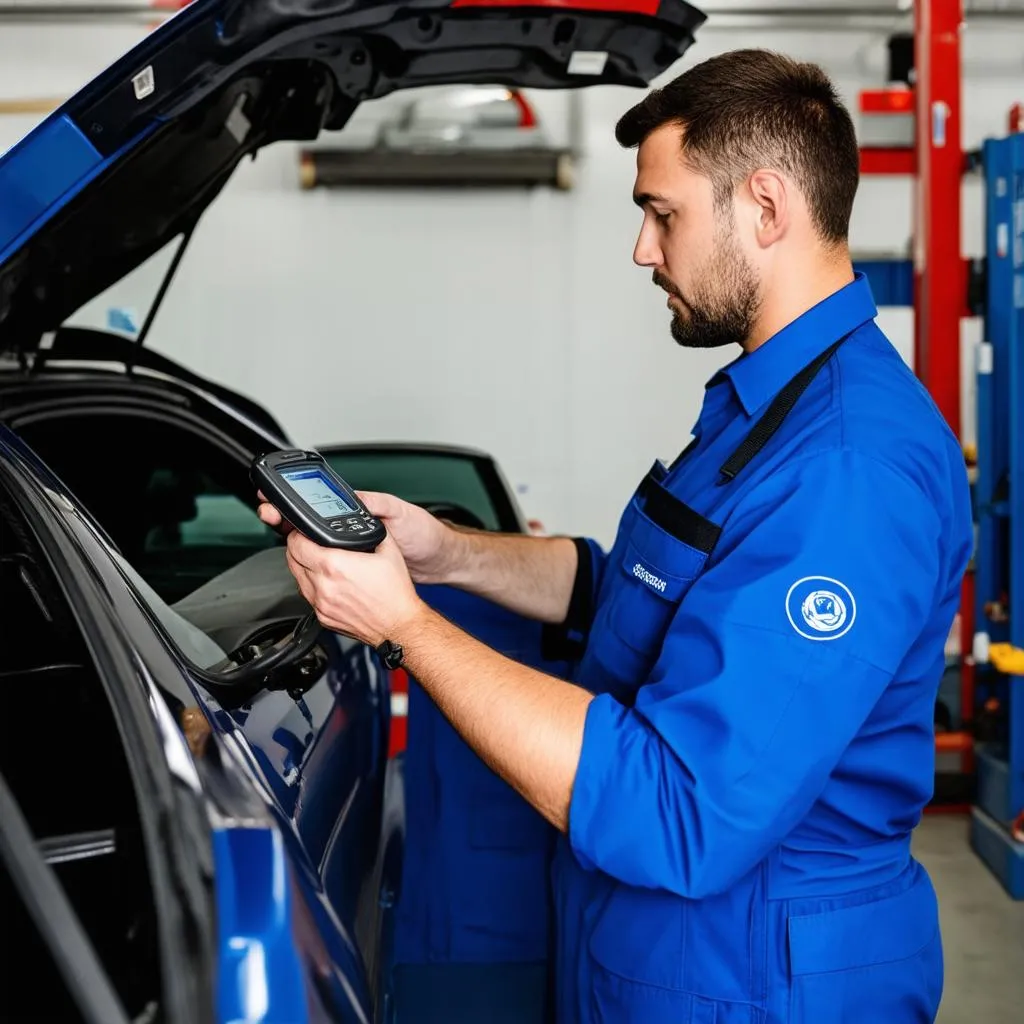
(180, 510)
(197, 530)
(425, 478)
(198, 512)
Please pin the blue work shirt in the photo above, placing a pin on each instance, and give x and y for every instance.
(765, 649)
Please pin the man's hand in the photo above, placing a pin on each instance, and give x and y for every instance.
(366, 595)
(531, 576)
(535, 741)
(428, 546)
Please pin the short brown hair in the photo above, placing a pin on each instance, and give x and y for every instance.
(753, 108)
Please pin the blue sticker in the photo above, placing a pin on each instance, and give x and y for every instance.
(120, 318)
(820, 608)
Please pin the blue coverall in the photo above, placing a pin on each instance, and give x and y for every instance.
(765, 640)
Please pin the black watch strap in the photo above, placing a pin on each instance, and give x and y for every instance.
(391, 654)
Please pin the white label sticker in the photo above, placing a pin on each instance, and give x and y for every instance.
(144, 84)
(986, 357)
(237, 123)
(1002, 240)
(940, 114)
(588, 62)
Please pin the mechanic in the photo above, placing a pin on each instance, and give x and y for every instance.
(747, 744)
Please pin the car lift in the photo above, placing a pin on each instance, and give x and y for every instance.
(943, 288)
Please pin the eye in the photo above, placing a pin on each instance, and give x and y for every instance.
(661, 218)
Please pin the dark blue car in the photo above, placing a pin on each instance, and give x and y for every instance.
(198, 817)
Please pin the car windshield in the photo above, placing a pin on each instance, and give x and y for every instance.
(450, 483)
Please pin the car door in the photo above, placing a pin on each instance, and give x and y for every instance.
(182, 513)
(198, 892)
(115, 907)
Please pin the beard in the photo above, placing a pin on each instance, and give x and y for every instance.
(722, 307)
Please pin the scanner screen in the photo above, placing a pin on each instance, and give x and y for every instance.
(318, 492)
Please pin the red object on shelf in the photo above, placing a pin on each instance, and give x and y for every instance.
(947, 809)
(1016, 123)
(887, 101)
(886, 160)
(953, 742)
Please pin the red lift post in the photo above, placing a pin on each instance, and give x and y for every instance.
(941, 274)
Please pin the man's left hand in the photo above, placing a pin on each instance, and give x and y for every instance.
(366, 595)
(533, 744)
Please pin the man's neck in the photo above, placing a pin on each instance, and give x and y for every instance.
(799, 292)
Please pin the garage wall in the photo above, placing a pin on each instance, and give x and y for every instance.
(513, 321)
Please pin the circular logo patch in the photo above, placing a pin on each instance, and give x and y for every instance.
(820, 608)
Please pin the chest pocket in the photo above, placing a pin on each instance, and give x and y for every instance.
(658, 560)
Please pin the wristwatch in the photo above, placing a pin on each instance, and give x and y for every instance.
(391, 654)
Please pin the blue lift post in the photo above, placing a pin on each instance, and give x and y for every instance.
(999, 510)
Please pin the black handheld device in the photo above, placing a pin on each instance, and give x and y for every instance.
(315, 500)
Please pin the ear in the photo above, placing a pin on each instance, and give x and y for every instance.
(772, 206)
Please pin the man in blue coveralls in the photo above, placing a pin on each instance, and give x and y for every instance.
(748, 743)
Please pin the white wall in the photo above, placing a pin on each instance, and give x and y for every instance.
(513, 321)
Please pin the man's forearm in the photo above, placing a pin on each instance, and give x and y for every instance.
(532, 576)
(527, 726)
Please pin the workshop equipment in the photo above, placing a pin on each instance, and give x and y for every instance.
(999, 508)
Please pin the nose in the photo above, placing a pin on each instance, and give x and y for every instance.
(647, 251)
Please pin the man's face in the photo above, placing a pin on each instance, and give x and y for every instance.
(692, 247)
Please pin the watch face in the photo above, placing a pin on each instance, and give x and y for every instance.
(391, 653)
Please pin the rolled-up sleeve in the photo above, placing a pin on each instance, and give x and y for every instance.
(590, 562)
(827, 573)
(568, 639)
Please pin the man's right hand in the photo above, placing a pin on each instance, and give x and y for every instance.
(427, 544)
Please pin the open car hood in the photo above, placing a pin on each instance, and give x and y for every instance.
(135, 157)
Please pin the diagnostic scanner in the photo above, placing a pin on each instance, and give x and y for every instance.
(316, 501)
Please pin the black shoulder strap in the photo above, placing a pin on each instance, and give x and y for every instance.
(775, 415)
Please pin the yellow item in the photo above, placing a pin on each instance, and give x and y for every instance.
(1007, 659)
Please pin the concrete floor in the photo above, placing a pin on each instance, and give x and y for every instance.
(982, 928)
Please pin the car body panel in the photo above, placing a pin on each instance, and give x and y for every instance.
(165, 778)
(132, 160)
(475, 881)
(318, 759)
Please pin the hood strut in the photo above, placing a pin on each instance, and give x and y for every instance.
(161, 293)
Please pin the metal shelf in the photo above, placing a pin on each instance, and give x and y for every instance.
(1000, 555)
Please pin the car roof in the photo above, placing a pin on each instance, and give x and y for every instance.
(409, 447)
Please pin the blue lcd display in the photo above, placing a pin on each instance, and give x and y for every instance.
(319, 492)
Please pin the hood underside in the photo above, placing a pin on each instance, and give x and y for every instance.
(133, 160)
